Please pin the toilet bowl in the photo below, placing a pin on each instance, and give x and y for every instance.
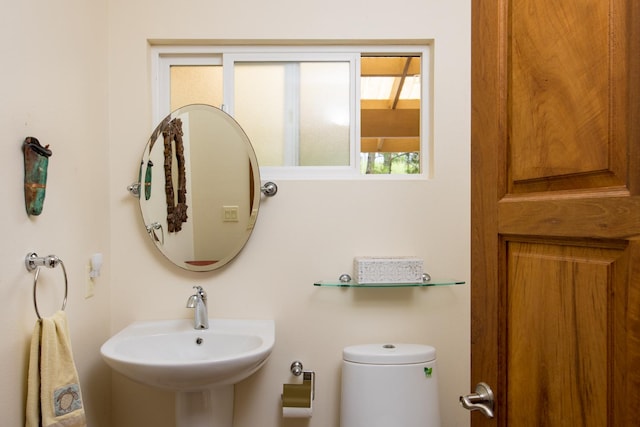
(389, 385)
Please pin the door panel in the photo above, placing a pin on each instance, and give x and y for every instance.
(559, 300)
(567, 93)
(555, 209)
(559, 64)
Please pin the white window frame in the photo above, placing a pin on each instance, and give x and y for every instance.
(163, 57)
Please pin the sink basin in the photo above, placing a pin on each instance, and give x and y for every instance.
(172, 355)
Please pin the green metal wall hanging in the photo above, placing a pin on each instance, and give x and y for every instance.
(36, 162)
(147, 181)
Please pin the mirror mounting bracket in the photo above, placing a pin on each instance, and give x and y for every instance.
(269, 189)
(134, 189)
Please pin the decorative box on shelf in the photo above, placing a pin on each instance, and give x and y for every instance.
(378, 270)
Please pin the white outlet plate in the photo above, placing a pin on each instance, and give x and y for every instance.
(230, 213)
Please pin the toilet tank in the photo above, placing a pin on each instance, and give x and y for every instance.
(385, 385)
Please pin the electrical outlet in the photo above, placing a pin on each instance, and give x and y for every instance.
(90, 285)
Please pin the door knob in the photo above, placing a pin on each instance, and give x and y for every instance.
(481, 400)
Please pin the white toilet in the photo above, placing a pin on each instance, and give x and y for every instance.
(389, 385)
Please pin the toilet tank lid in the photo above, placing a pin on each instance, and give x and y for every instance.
(389, 354)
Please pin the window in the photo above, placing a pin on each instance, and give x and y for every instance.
(310, 111)
(390, 103)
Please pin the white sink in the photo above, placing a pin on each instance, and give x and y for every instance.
(171, 354)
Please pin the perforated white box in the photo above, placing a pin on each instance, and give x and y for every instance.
(404, 269)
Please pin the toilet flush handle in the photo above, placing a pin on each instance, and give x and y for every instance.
(481, 400)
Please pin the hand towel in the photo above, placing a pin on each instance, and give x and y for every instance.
(53, 396)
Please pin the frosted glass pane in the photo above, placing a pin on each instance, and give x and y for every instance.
(260, 109)
(324, 114)
(196, 84)
(295, 113)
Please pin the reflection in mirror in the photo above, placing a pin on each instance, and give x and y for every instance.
(200, 187)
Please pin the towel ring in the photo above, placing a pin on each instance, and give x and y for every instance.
(33, 262)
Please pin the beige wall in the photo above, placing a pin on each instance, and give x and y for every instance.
(54, 87)
(312, 229)
(79, 80)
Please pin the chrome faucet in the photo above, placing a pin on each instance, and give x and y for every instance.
(198, 301)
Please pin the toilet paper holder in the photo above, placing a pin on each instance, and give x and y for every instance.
(299, 395)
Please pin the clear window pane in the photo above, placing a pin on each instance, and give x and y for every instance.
(390, 88)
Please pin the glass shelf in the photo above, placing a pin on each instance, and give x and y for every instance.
(428, 283)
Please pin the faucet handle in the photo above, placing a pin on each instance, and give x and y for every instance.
(200, 292)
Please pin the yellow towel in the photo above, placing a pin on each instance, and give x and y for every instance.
(53, 395)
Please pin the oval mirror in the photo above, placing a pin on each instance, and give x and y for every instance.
(199, 187)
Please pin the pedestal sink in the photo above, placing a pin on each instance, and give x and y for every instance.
(201, 366)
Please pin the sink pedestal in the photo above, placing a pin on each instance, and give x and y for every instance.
(212, 407)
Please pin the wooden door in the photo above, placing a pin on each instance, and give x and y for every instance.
(555, 282)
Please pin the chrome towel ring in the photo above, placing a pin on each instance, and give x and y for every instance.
(33, 262)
